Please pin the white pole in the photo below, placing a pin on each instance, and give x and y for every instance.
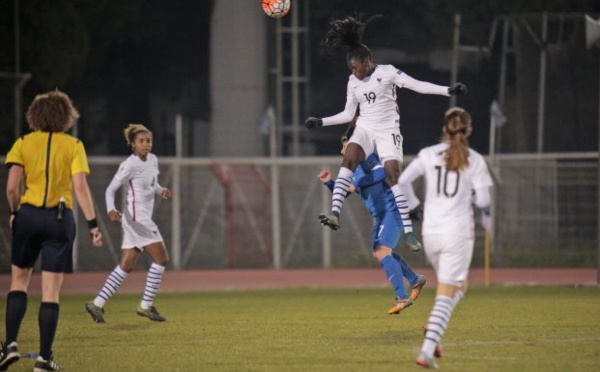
(275, 213)
(176, 195)
(274, 144)
(275, 216)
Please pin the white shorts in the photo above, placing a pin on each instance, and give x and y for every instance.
(386, 143)
(450, 256)
(139, 234)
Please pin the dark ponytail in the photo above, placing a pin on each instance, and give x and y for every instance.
(349, 32)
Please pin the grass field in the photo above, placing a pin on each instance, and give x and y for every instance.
(495, 329)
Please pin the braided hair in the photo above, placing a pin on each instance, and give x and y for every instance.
(457, 128)
(348, 32)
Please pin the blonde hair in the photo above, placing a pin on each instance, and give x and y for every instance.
(133, 130)
(457, 128)
(52, 112)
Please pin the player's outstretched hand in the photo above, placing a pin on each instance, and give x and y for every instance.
(311, 123)
(457, 89)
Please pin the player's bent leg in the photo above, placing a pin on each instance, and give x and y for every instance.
(158, 252)
(353, 156)
(393, 272)
(112, 284)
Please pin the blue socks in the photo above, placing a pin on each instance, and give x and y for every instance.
(406, 270)
(393, 271)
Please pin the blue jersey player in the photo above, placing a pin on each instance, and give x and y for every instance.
(370, 183)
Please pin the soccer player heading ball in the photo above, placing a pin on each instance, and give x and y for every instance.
(373, 88)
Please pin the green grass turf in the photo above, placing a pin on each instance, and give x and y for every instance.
(494, 329)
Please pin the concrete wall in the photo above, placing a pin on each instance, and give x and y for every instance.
(238, 73)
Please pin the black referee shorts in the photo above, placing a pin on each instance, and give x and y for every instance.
(37, 230)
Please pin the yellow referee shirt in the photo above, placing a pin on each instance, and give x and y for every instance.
(49, 160)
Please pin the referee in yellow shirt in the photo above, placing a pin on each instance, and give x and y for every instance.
(52, 164)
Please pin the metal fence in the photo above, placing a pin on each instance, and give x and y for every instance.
(262, 212)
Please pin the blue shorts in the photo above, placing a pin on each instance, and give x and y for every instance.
(387, 230)
(37, 230)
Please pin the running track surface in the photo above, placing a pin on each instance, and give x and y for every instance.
(218, 280)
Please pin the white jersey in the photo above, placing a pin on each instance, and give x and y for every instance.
(376, 95)
(448, 194)
(141, 178)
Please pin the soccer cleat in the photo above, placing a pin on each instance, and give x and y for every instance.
(43, 365)
(330, 220)
(413, 243)
(415, 290)
(400, 305)
(9, 354)
(426, 362)
(96, 312)
(150, 313)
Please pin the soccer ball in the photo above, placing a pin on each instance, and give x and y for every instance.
(276, 8)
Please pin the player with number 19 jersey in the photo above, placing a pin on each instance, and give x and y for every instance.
(449, 194)
(376, 95)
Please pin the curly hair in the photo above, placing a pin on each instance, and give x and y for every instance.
(457, 128)
(52, 112)
(349, 32)
(133, 130)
